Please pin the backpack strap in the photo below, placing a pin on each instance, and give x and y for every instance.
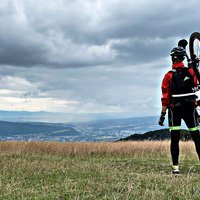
(172, 70)
(183, 95)
(178, 68)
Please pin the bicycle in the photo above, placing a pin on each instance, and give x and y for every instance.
(194, 60)
(194, 49)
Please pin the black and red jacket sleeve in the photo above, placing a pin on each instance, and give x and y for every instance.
(166, 89)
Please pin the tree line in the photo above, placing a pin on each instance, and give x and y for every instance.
(163, 134)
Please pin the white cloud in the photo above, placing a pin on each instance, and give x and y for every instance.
(35, 104)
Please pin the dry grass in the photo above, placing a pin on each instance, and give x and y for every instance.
(102, 171)
(89, 148)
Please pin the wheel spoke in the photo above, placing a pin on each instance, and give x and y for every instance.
(197, 48)
(194, 45)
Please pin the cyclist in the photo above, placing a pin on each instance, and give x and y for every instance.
(178, 97)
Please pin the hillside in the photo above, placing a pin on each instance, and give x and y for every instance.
(162, 134)
(28, 128)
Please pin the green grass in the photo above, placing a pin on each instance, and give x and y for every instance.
(60, 176)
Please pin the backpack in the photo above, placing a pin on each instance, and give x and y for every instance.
(182, 86)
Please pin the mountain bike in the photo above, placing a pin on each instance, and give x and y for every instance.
(194, 49)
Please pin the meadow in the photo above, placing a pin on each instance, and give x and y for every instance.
(112, 170)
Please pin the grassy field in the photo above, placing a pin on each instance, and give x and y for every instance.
(122, 170)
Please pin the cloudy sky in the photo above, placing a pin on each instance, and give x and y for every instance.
(86, 56)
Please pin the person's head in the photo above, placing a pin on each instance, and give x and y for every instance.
(182, 43)
(178, 54)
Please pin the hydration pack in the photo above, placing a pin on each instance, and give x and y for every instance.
(182, 86)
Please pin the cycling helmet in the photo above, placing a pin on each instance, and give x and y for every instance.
(178, 54)
(182, 43)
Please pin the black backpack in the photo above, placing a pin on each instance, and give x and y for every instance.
(182, 84)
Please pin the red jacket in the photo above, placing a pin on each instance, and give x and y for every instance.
(167, 84)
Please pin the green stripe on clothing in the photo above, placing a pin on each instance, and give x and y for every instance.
(174, 128)
(194, 129)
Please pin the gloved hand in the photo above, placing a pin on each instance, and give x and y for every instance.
(198, 118)
(194, 62)
(162, 119)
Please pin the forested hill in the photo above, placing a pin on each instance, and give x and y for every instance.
(162, 134)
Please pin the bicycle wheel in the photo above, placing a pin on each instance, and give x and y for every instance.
(194, 45)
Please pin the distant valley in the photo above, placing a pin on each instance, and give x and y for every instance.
(99, 130)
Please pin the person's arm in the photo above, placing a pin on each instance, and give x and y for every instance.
(196, 82)
(166, 91)
(164, 109)
(166, 97)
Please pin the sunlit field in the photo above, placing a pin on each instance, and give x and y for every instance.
(113, 170)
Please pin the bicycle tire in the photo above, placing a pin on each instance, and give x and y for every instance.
(194, 45)
(194, 48)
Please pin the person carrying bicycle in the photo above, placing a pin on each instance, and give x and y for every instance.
(178, 97)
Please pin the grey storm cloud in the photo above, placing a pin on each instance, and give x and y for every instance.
(85, 33)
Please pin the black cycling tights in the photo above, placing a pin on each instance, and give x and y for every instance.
(175, 137)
